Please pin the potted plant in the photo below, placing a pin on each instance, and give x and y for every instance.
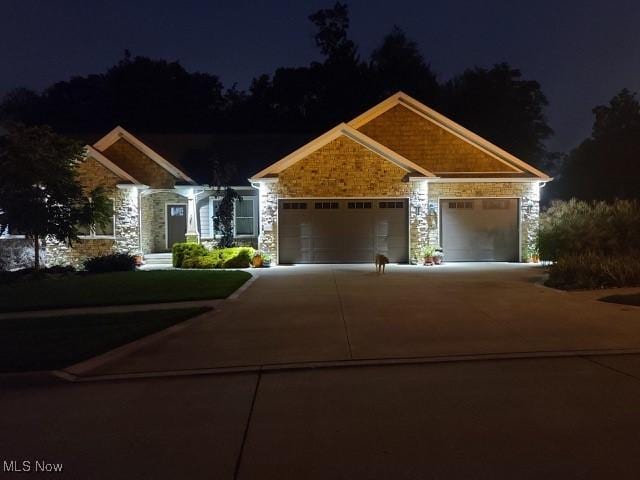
(534, 255)
(138, 258)
(427, 254)
(257, 261)
(438, 256)
(266, 260)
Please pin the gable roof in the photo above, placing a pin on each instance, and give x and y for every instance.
(342, 130)
(448, 125)
(100, 158)
(120, 133)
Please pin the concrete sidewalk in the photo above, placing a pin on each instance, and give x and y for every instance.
(58, 312)
(527, 419)
(326, 313)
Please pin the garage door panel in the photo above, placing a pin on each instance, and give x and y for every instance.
(341, 231)
(480, 229)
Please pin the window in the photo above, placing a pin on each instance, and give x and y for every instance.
(461, 205)
(244, 216)
(326, 205)
(294, 205)
(495, 204)
(391, 204)
(177, 211)
(213, 206)
(359, 205)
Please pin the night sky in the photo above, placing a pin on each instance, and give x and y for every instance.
(582, 52)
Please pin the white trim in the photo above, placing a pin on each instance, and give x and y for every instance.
(166, 220)
(109, 165)
(347, 131)
(117, 133)
(447, 124)
(488, 180)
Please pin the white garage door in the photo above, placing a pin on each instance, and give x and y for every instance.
(342, 231)
(480, 229)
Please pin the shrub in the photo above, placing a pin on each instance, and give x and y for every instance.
(183, 251)
(571, 227)
(592, 270)
(239, 257)
(116, 262)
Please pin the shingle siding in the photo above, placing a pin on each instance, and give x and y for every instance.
(427, 144)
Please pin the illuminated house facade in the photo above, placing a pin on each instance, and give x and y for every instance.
(393, 180)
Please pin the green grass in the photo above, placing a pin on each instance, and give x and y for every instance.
(119, 288)
(57, 342)
(629, 299)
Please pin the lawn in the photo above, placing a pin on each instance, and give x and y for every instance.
(629, 299)
(119, 288)
(56, 342)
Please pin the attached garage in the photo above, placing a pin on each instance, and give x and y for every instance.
(342, 230)
(480, 229)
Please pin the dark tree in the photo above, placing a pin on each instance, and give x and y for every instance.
(331, 37)
(223, 216)
(39, 192)
(397, 64)
(606, 166)
(502, 107)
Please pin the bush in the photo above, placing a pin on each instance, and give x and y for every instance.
(592, 270)
(240, 258)
(577, 227)
(184, 251)
(116, 262)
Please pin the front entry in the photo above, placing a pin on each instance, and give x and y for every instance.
(176, 223)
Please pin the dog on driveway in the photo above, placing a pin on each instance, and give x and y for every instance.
(380, 262)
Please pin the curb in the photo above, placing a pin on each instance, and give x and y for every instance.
(288, 367)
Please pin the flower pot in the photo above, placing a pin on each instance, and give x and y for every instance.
(428, 260)
(437, 260)
(257, 262)
(138, 260)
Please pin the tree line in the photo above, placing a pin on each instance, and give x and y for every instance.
(151, 95)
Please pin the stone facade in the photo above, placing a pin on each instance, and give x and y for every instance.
(343, 168)
(527, 192)
(153, 213)
(429, 145)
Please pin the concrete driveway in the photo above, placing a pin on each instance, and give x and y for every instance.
(325, 313)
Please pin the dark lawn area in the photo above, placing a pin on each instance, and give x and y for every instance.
(55, 342)
(629, 299)
(119, 288)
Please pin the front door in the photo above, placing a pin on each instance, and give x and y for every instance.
(176, 223)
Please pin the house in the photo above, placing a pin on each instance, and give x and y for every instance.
(156, 204)
(391, 181)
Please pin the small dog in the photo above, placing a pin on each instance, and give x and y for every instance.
(380, 262)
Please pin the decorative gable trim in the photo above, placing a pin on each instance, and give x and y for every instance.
(342, 130)
(109, 165)
(448, 125)
(117, 133)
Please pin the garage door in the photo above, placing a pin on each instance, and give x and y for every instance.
(342, 231)
(480, 229)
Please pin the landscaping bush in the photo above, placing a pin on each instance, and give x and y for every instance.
(240, 258)
(115, 262)
(577, 227)
(193, 255)
(184, 251)
(592, 270)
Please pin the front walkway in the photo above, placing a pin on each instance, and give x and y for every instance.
(327, 313)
